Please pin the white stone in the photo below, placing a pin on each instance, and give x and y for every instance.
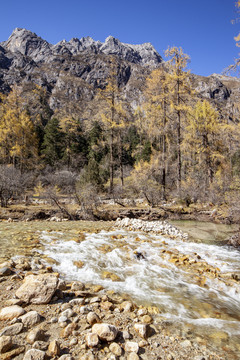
(38, 289)
(11, 312)
(31, 318)
(34, 354)
(131, 346)
(92, 339)
(105, 331)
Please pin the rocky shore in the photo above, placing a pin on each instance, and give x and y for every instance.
(44, 317)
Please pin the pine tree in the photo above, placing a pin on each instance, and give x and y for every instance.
(53, 146)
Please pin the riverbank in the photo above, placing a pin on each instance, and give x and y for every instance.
(84, 321)
(110, 211)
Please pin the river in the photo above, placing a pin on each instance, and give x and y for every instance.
(192, 285)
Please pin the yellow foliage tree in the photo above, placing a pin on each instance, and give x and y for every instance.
(114, 118)
(203, 142)
(156, 117)
(180, 93)
(18, 141)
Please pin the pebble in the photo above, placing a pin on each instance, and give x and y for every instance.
(11, 312)
(12, 329)
(115, 349)
(5, 344)
(133, 356)
(141, 329)
(92, 318)
(68, 330)
(105, 331)
(62, 319)
(131, 346)
(34, 354)
(31, 318)
(54, 348)
(35, 335)
(92, 339)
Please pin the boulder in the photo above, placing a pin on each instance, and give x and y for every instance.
(38, 289)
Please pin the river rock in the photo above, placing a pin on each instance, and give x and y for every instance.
(5, 271)
(65, 357)
(31, 318)
(92, 339)
(12, 330)
(77, 302)
(133, 356)
(115, 349)
(67, 331)
(126, 306)
(105, 331)
(131, 346)
(54, 348)
(40, 345)
(141, 329)
(12, 353)
(5, 344)
(92, 318)
(38, 289)
(34, 354)
(11, 312)
(77, 286)
(35, 335)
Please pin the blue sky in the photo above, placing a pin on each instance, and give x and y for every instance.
(202, 28)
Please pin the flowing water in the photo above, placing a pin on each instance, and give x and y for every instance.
(193, 284)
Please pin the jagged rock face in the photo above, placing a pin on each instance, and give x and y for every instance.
(73, 70)
(213, 88)
(29, 44)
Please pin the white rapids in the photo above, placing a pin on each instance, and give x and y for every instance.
(141, 270)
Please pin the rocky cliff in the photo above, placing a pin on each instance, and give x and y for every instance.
(72, 70)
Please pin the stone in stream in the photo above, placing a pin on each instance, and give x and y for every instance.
(105, 331)
(38, 289)
(11, 312)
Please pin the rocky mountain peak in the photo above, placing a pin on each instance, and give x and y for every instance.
(27, 43)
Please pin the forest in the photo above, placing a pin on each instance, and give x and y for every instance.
(173, 145)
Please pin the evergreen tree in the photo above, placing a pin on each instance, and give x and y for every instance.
(53, 145)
